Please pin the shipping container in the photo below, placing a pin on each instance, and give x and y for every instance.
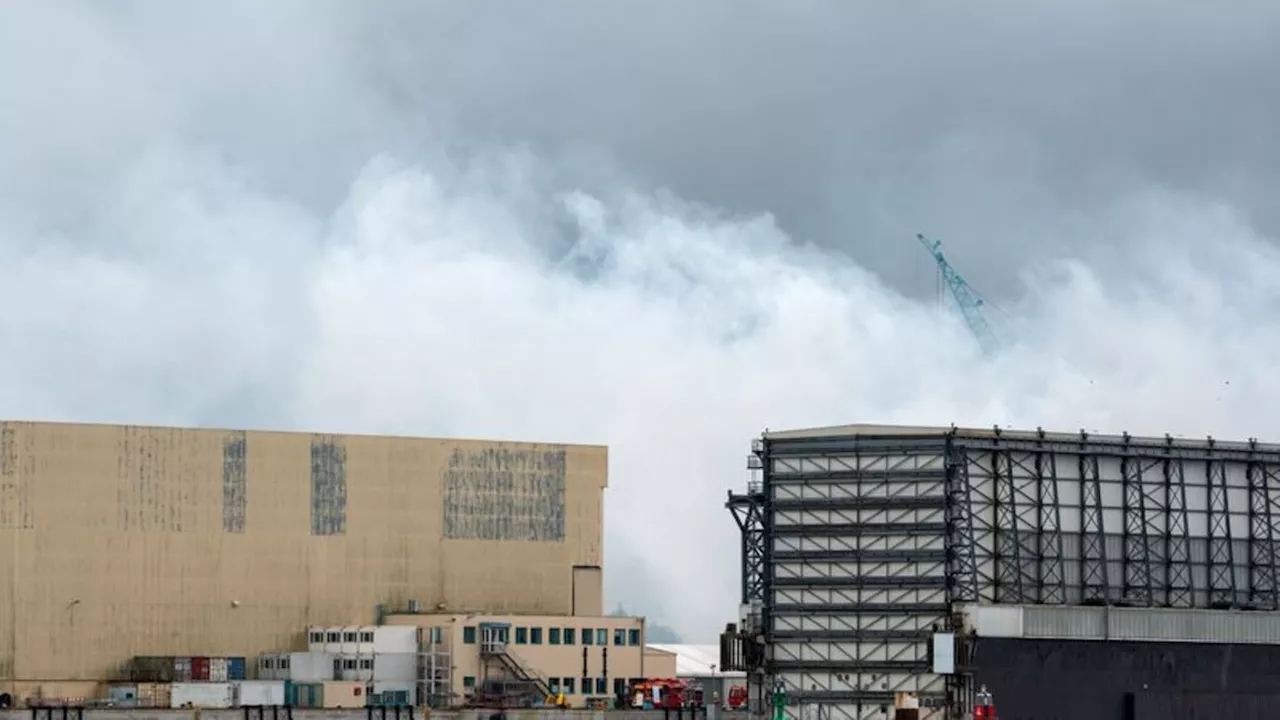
(333, 640)
(156, 695)
(236, 669)
(355, 667)
(202, 695)
(307, 667)
(395, 694)
(350, 641)
(291, 693)
(253, 693)
(308, 695)
(199, 669)
(152, 669)
(396, 639)
(395, 667)
(268, 667)
(366, 645)
(182, 669)
(218, 670)
(315, 639)
(123, 695)
(342, 694)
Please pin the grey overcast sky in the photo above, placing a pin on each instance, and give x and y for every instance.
(659, 225)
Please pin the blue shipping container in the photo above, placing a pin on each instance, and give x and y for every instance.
(236, 669)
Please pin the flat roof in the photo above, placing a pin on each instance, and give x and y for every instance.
(262, 431)
(871, 430)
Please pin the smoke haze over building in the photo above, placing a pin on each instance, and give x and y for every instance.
(660, 226)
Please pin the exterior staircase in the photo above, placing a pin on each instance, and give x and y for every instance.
(494, 648)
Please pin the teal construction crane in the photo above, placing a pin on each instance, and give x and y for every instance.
(968, 301)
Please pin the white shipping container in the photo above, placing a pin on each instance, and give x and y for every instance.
(308, 667)
(315, 639)
(391, 667)
(333, 640)
(218, 669)
(253, 693)
(355, 667)
(201, 695)
(396, 639)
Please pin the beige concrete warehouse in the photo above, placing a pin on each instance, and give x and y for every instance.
(118, 541)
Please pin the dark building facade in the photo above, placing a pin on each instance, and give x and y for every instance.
(868, 548)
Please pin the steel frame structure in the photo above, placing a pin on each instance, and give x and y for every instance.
(859, 543)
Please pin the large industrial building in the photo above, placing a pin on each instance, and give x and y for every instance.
(123, 541)
(1070, 575)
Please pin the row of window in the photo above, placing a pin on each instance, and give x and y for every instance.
(333, 638)
(570, 686)
(622, 637)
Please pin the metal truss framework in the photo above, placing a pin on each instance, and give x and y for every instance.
(858, 548)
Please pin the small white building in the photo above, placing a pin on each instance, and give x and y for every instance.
(700, 664)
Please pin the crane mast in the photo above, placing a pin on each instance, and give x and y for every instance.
(968, 301)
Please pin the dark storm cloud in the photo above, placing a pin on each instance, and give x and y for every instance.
(659, 225)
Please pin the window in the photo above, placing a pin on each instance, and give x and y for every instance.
(602, 685)
(366, 636)
(349, 636)
(522, 636)
(586, 686)
(633, 638)
(587, 636)
(316, 637)
(469, 681)
(553, 636)
(602, 636)
(568, 636)
(619, 637)
(535, 636)
(266, 662)
(435, 635)
(348, 663)
(469, 634)
(284, 663)
(366, 663)
(554, 684)
(568, 686)
(335, 637)
(619, 686)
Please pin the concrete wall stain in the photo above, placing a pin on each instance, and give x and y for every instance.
(150, 494)
(504, 494)
(234, 482)
(328, 486)
(16, 472)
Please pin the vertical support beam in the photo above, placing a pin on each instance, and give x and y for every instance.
(1222, 577)
(1008, 555)
(1271, 490)
(1093, 545)
(962, 569)
(1179, 587)
(1052, 588)
(1137, 547)
(1262, 562)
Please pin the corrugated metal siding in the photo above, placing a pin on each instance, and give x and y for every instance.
(1151, 624)
(1083, 623)
(161, 541)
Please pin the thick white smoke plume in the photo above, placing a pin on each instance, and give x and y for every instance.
(244, 218)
